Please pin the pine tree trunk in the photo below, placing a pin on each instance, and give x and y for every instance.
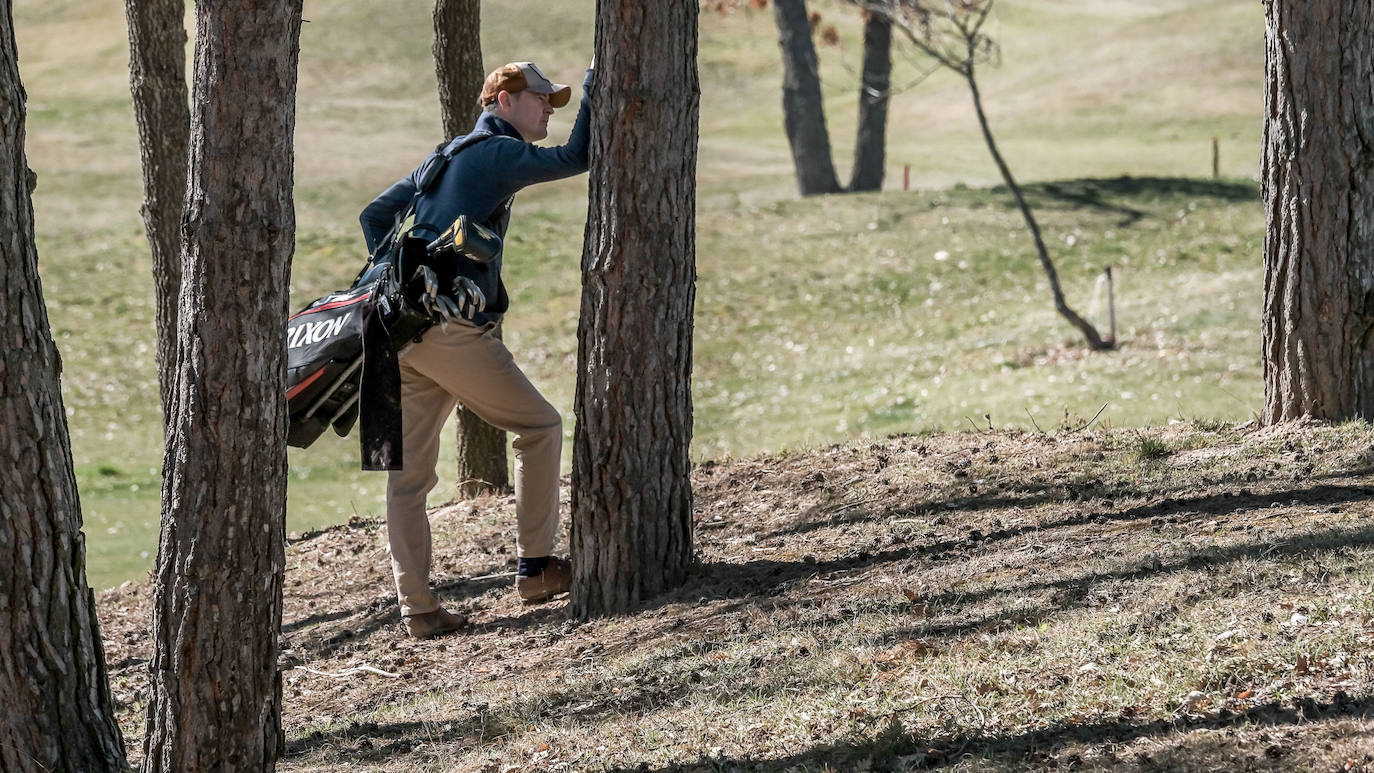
(482, 464)
(803, 109)
(1318, 323)
(875, 83)
(458, 62)
(215, 694)
(631, 491)
(157, 80)
(56, 712)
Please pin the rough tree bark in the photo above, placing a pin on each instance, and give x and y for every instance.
(482, 464)
(214, 694)
(631, 493)
(803, 107)
(1318, 166)
(56, 713)
(875, 84)
(458, 62)
(157, 80)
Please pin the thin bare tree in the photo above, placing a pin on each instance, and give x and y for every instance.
(951, 33)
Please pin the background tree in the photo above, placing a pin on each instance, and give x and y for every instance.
(631, 492)
(215, 695)
(1319, 204)
(951, 33)
(56, 713)
(875, 83)
(482, 465)
(157, 80)
(458, 62)
(803, 106)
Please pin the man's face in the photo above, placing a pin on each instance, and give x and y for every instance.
(529, 114)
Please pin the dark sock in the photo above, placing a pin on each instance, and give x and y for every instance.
(532, 567)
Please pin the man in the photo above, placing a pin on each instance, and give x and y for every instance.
(464, 361)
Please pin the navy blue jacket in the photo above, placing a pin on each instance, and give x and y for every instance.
(480, 182)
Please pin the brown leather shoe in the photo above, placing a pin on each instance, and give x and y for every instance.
(555, 579)
(427, 625)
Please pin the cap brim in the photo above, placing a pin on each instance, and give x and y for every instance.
(560, 96)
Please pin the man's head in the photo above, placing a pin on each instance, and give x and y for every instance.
(520, 94)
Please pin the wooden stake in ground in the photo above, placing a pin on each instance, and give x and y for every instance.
(631, 495)
(214, 698)
(56, 712)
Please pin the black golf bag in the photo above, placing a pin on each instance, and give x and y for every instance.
(343, 349)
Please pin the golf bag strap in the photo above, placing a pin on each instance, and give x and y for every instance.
(379, 422)
(429, 173)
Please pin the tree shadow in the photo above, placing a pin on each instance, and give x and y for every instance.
(895, 749)
(367, 618)
(1093, 193)
(1033, 495)
(758, 583)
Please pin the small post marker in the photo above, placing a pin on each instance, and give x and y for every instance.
(1111, 307)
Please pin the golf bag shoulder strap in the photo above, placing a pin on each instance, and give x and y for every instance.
(429, 172)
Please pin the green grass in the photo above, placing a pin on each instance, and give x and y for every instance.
(817, 321)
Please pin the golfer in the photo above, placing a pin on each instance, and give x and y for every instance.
(465, 361)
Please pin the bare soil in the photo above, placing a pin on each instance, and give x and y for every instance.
(1185, 598)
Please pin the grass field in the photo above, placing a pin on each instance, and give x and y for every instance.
(818, 320)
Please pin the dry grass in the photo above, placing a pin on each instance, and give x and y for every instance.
(979, 601)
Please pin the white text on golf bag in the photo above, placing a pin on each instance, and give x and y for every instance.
(315, 332)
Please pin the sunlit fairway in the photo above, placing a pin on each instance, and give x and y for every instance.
(818, 320)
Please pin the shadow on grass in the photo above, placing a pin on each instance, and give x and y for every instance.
(1098, 193)
(895, 749)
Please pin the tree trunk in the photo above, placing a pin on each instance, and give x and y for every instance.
(803, 108)
(874, 87)
(458, 62)
(56, 713)
(631, 491)
(482, 464)
(157, 79)
(1318, 321)
(215, 695)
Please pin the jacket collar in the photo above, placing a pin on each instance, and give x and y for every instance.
(495, 124)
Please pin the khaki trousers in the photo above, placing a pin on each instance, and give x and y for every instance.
(468, 364)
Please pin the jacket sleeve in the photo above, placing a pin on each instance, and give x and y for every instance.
(522, 163)
(378, 217)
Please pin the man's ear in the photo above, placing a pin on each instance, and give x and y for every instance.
(504, 99)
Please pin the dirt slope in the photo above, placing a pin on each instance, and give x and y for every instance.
(1189, 598)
